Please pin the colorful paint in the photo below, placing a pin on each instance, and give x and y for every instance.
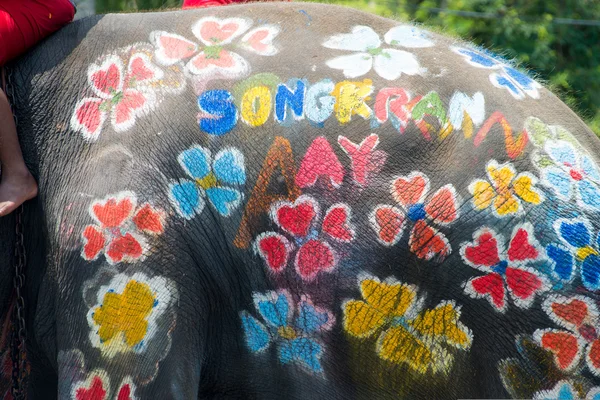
(214, 181)
(125, 86)
(122, 228)
(345, 100)
(212, 56)
(408, 334)
(293, 328)
(389, 63)
(577, 253)
(505, 191)
(309, 246)
(279, 156)
(503, 76)
(419, 210)
(306, 234)
(97, 387)
(577, 341)
(506, 271)
(565, 166)
(564, 390)
(131, 314)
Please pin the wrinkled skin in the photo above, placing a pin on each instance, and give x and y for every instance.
(206, 273)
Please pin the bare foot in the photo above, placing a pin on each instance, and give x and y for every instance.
(15, 190)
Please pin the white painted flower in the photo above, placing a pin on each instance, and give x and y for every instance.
(389, 63)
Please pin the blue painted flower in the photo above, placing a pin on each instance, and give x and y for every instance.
(294, 336)
(504, 76)
(211, 180)
(577, 249)
(570, 172)
(564, 390)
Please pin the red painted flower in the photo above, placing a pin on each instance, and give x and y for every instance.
(579, 316)
(121, 93)
(120, 224)
(506, 270)
(97, 387)
(94, 388)
(314, 254)
(410, 193)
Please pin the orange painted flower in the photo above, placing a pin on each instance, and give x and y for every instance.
(411, 193)
(120, 224)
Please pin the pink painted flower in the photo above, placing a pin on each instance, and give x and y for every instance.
(123, 93)
(119, 227)
(313, 253)
(216, 35)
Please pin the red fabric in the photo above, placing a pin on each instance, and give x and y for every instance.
(23, 23)
(207, 3)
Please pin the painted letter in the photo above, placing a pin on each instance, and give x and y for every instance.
(279, 155)
(514, 147)
(350, 99)
(466, 112)
(256, 105)
(365, 160)
(320, 160)
(431, 104)
(397, 105)
(319, 102)
(222, 114)
(295, 100)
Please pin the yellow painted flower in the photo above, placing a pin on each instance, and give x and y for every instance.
(122, 317)
(506, 190)
(408, 335)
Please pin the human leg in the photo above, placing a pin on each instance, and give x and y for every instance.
(17, 184)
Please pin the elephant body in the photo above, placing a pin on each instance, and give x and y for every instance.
(300, 201)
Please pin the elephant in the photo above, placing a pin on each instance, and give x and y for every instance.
(299, 201)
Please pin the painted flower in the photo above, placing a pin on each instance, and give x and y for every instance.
(564, 390)
(577, 251)
(504, 76)
(294, 332)
(120, 228)
(123, 92)
(389, 63)
(408, 334)
(130, 316)
(570, 173)
(410, 193)
(506, 190)
(216, 35)
(127, 313)
(212, 180)
(505, 270)
(579, 339)
(314, 253)
(97, 387)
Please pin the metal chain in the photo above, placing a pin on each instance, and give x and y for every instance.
(19, 332)
(18, 345)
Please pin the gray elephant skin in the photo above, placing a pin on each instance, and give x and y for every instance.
(299, 201)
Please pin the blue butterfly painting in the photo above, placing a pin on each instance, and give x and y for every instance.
(577, 249)
(504, 76)
(211, 181)
(295, 336)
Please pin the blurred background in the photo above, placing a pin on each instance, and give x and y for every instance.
(557, 40)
